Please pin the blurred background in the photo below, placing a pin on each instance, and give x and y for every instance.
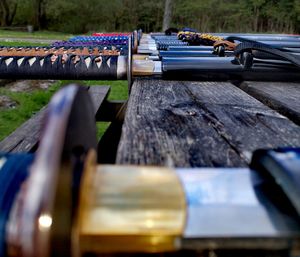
(77, 16)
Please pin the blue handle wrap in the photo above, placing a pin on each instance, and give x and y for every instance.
(12, 174)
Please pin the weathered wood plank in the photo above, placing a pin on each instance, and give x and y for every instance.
(25, 138)
(198, 124)
(282, 97)
(98, 95)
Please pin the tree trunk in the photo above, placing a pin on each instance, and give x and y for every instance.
(167, 14)
(8, 13)
(12, 15)
(5, 13)
(38, 13)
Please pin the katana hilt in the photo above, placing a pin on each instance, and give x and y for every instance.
(44, 51)
(40, 219)
(66, 66)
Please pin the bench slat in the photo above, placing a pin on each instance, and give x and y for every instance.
(280, 96)
(98, 95)
(188, 124)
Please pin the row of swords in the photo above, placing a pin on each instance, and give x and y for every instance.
(124, 56)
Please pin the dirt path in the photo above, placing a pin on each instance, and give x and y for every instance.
(29, 85)
(21, 86)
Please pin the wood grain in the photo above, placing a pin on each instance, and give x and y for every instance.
(195, 124)
(280, 96)
(25, 138)
(98, 95)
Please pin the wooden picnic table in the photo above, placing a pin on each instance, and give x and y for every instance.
(186, 124)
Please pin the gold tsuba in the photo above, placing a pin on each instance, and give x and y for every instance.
(130, 209)
(142, 67)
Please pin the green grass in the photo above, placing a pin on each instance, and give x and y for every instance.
(37, 34)
(101, 128)
(30, 103)
(6, 43)
(118, 90)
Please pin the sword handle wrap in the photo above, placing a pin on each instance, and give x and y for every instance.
(63, 67)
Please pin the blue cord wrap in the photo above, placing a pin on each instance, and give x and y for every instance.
(12, 174)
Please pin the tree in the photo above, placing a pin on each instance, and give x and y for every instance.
(8, 11)
(38, 14)
(78, 16)
(167, 14)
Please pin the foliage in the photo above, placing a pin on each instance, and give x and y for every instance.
(77, 16)
(239, 16)
(7, 11)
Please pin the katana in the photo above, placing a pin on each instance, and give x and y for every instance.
(90, 42)
(205, 38)
(212, 53)
(111, 34)
(252, 36)
(102, 40)
(211, 48)
(153, 47)
(81, 44)
(112, 40)
(152, 210)
(223, 36)
(162, 42)
(263, 37)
